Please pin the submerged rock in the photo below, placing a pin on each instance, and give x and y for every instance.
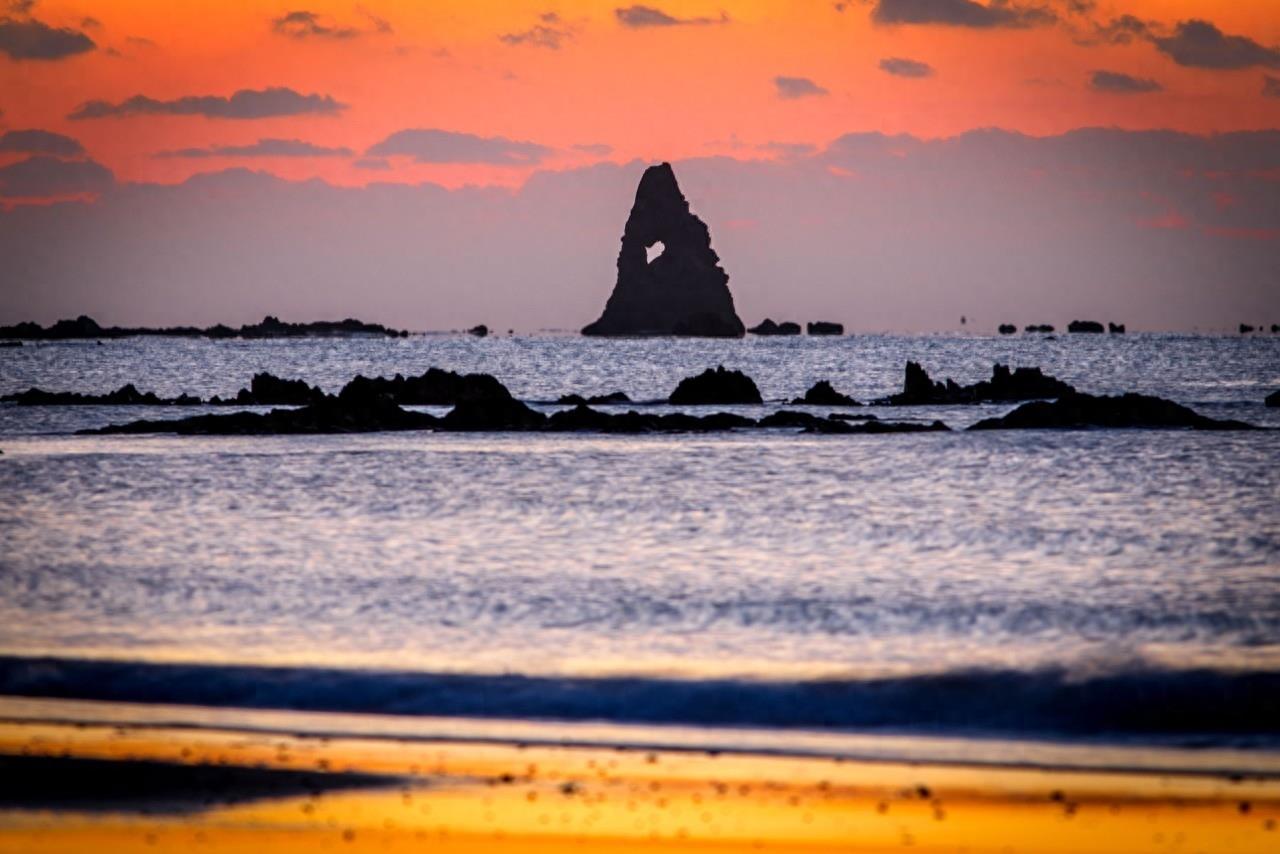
(825, 327)
(768, 327)
(716, 387)
(683, 290)
(1077, 410)
(822, 394)
(327, 416)
(1091, 326)
(612, 398)
(126, 395)
(1003, 387)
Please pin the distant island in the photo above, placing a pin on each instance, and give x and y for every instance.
(270, 327)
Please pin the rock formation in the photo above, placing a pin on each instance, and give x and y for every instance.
(126, 395)
(1115, 328)
(1039, 327)
(768, 327)
(825, 327)
(682, 291)
(1007, 329)
(718, 387)
(1085, 326)
(1004, 386)
(1077, 410)
(822, 394)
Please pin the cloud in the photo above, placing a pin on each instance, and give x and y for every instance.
(1200, 44)
(637, 17)
(1124, 29)
(430, 145)
(41, 142)
(791, 88)
(32, 39)
(961, 13)
(262, 148)
(373, 164)
(1270, 86)
(788, 150)
(599, 149)
(21, 7)
(900, 67)
(550, 32)
(44, 176)
(304, 25)
(244, 104)
(1118, 83)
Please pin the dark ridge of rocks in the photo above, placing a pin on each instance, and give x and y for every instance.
(825, 327)
(1115, 328)
(1005, 386)
(682, 291)
(270, 327)
(1039, 327)
(1091, 326)
(716, 387)
(1273, 399)
(491, 413)
(612, 398)
(436, 387)
(850, 416)
(1007, 329)
(126, 395)
(1245, 329)
(327, 416)
(1077, 410)
(480, 330)
(768, 327)
(822, 394)
(269, 390)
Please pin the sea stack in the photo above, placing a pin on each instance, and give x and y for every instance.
(682, 290)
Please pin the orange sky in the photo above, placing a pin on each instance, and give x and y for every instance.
(655, 92)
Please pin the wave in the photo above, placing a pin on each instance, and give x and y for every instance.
(1198, 707)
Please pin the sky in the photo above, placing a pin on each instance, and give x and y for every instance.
(892, 164)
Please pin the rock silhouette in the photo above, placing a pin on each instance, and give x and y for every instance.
(270, 327)
(1115, 328)
(822, 394)
(768, 327)
(614, 397)
(1039, 327)
(825, 327)
(268, 390)
(1085, 326)
(682, 291)
(1004, 386)
(1007, 329)
(1077, 410)
(718, 386)
(126, 395)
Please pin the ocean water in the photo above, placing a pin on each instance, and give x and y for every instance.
(1091, 584)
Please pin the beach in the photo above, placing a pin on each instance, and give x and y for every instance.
(247, 784)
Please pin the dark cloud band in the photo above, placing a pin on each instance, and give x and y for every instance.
(244, 104)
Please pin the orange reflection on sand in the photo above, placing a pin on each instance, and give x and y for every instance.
(480, 797)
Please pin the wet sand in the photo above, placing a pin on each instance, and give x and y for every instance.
(146, 787)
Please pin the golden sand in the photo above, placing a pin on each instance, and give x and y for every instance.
(471, 797)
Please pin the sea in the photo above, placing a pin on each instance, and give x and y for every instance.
(1093, 586)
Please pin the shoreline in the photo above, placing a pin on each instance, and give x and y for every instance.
(237, 789)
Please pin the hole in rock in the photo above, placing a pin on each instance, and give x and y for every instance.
(654, 251)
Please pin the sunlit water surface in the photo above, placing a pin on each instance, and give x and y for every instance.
(762, 555)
